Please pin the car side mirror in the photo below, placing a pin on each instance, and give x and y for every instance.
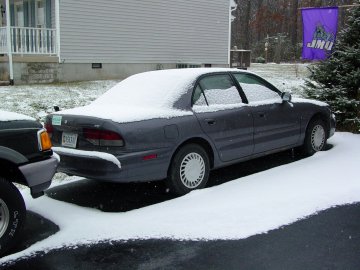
(286, 96)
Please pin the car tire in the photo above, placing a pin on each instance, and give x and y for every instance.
(315, 137)
(189, 169)
(12, 215)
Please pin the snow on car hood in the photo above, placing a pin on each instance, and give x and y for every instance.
(144, 96)
(312, 101)
(11, 116)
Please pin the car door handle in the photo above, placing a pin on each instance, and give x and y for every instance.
(210, 121)
(262, 114)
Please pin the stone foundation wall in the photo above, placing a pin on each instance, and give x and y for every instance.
(43, 72)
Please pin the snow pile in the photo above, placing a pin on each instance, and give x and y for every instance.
(234, 210)
(11, 116)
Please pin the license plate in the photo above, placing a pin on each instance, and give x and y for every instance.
(69, 139)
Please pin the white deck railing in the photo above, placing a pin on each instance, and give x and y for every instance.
(29, 40)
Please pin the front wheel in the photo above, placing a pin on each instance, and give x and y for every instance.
(189, 169)
(315, 137)
(12, 215)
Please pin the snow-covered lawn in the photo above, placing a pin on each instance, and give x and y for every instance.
(237, 209)
(38, 100)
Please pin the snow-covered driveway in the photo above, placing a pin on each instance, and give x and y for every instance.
(238, 209)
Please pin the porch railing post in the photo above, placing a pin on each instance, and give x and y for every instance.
(8, 36)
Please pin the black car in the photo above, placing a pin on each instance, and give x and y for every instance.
(25, 158)
(180, 124)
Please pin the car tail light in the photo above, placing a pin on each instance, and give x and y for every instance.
(149, 157)
(44, 140)
(49, 128)
(103, 137)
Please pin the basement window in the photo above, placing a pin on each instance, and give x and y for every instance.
(188, 65)
(96, 65)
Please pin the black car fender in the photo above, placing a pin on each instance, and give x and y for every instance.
(12, 156)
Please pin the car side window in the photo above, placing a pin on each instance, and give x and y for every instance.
(198, 97)
(254, 89)
(218, 90)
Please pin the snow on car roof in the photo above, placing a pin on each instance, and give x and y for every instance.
(11, 116)
(146, 95)
(159, 88)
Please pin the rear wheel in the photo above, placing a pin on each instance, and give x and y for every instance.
(12, 215)
(189, 169)
(315, 137)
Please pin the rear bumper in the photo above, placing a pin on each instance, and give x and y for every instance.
(38, 175)
(133, 167)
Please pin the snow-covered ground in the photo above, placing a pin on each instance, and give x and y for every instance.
(238, 209)
(38, 100)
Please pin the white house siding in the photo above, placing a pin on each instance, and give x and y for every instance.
(147, 31)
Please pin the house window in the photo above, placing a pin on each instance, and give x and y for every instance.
(32, 13)
(181, 65)
(19, 14)
(40, 14)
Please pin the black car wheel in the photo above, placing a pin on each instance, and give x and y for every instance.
(12, 215)
(315, 137)
(189, 169)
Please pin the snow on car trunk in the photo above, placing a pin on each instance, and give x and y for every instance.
(11, 116)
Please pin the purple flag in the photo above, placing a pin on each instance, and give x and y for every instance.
(319, 32)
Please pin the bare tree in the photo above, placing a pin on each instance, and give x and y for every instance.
(257, 19)
(246, 43)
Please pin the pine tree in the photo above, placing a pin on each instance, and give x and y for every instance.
(336, 80)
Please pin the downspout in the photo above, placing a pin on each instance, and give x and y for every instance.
(8, 37)
(57, 26)
(229, 37)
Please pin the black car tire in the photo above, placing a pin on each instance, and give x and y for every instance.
(315, 137)
(189, 169)
(12, 215)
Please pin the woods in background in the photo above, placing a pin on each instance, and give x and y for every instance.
(275, 24)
